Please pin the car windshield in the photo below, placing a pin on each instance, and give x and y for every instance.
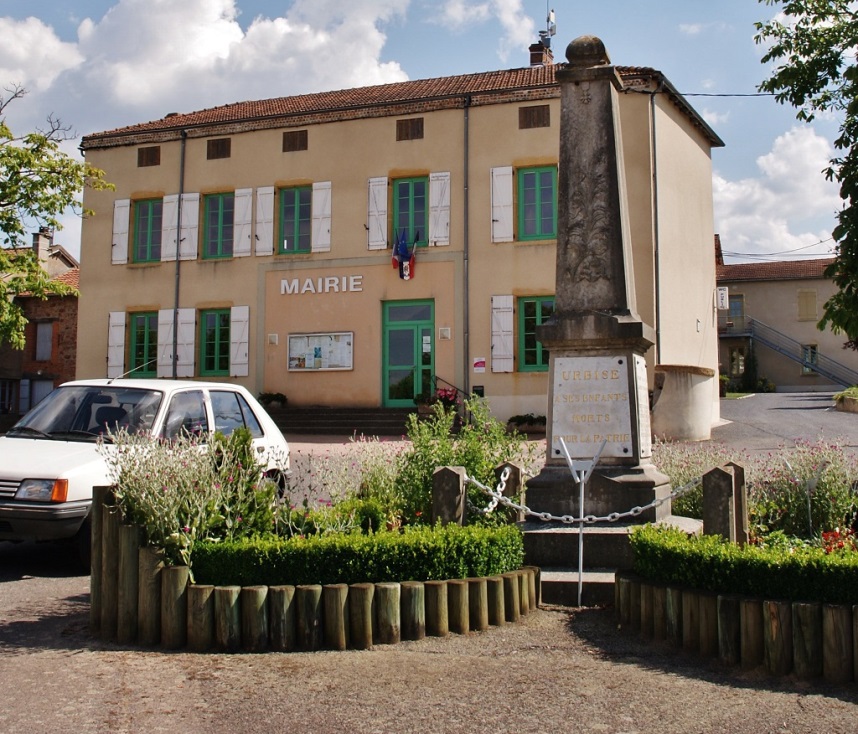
(85, 412)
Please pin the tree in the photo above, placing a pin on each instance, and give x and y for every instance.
(814, 43)
(38, 182)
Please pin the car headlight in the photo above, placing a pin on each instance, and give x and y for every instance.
(43, 490)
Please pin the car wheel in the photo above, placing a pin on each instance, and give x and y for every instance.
(278, 478)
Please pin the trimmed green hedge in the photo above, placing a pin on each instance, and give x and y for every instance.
(708, 563)
(418, 553)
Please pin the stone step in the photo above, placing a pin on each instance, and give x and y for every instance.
(560, 586)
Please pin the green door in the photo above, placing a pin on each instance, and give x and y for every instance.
(409, 352)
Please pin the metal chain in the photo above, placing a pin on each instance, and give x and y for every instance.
(498, 497)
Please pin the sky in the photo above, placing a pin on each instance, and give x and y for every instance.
(102, 64)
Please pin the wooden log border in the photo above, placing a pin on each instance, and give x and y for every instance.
(156, 605)
(807, 640)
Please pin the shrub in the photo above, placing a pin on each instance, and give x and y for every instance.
(417, 553)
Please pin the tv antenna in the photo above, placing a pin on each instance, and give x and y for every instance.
(550, 28)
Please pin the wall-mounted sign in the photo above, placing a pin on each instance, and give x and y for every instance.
(722, 296)
(322, 284)
(315, 352)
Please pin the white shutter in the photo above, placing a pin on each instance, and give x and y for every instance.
(242, 222)
(169, 227)
(121, 217)
(187, 331)
(190, 227)
(165, 342)
(116, 343)
(321, 237)
(23, 395)
(239, 322)
(377, 214)
(502, 333)
(502, 230)
(265, 220)
(439, 208)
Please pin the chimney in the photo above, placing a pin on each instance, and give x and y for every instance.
(43, 240)
(540, 54)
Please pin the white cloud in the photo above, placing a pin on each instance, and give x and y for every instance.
(691, 29)
(518, 28)
(32, 55)
(714, 118)
(789, 206)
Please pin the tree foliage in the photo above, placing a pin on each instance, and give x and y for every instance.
(813, 43)
(38, 183)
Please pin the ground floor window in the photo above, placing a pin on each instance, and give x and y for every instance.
(214, 342)
(532, 312)
(809, 358)
(737, 361)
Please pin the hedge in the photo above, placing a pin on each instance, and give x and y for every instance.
(709, 563)
(418, 553)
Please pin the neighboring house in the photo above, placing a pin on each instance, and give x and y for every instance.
(274, 266)
(48, 358)
(773, 310)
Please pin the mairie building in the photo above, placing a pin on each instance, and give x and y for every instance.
(358, 247)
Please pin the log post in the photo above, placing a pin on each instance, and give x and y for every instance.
(777, 637)
(437, 613)
(174, 607)
(534, 592)
(646, 610)
(635, 604)
(227, 618)
(457, 604)
(673, 615)
(150, 564)
(523, 591)
(336, 616)
(708, 615)
(478, 604)
(690, 620)
(126, 623)
(807, 639)
(659, 613)
(413, 610)
(110, 572)
(837, 643)
(855, 642)
(308, 620)
(96, 519)
(253, 601)
(200, 617)
(494, 590)
(387, 610)
(282, 632)
(360, 615)
(751, 622)
(512, 605)
(729, 630)
(623, 600)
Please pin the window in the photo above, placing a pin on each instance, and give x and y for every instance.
(409, 209)
(218, 148)
(150, 156)
(144, 344)
(44, 340)
(535, 116)
(148, 218)
(736, 313)
(219, 223)
(231, 411)
(410, 129)
(294, 140)
(537, 203)
(807, 305)
(737, 361)
(295, 219)
(214, 342)
(532, 312)
(809, 357)
(186, 415)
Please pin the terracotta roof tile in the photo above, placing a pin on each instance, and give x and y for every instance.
(70, 277)
(779, 270)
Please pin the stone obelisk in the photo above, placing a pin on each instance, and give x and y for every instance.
(598, 382)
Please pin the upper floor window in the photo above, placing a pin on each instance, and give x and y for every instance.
(534, 116)
(144, 344)
(410, 208)
(44, 340)
(218, 148)
(149, 156)
(537, 203)
(532, 312)
(294, 140)
(219, 225)
(295, 219)
(409, 129)
(807, 309)
(148, 220)
(214, 342)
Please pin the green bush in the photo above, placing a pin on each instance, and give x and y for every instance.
(418, 553)
(778, 572)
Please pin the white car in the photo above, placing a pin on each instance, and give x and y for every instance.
(49, 460)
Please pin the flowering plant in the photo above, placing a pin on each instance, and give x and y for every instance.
(447, 396)
(839, 540)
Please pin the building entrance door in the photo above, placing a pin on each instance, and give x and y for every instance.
(409, 351)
